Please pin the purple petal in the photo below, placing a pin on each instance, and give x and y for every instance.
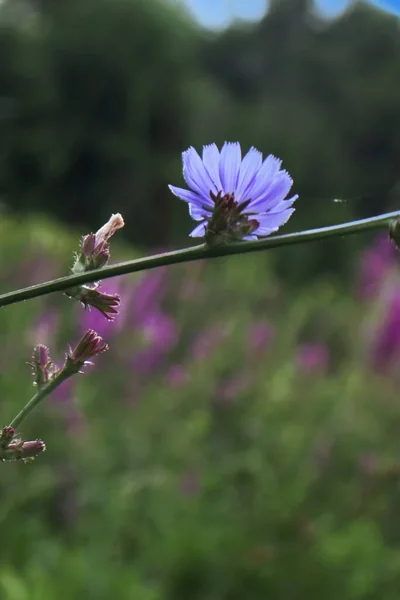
(187, 195)
(271, 222)
(211, 163)
(283, 205)
(229, 166)
(277, 191)
(251, 163)
(196, 175)
(264, 178)
(197, 213)
(199, 231)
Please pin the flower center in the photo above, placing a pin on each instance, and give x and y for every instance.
(228, 218)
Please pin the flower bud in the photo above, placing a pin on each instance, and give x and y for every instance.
(95, 249)
(42, 365)
(6, 436)
(95, 256)
(91, 344)
(25, 451)
(107, 304)
(13, 447)
(107, 231)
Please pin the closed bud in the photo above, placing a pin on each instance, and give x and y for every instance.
(42, 366)
(107, 231)
(95, 255)
(90, 345)
(12, 447)
(95, 249)
(25, 451)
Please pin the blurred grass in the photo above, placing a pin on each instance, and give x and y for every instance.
(197, 460)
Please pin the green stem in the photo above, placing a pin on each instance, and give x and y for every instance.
(197, 253)
(39, 397)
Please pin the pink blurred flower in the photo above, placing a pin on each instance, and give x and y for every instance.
(93, 319)
(206, 341)
(63, 400)
(176, 376)
(35, 268)
(313, 358)
(385, 351)
(375, 262)
(63, 394)
(139, 300)
(149, 291)
(44, 327)
(159, 329)
(260, 335)
(160, 335)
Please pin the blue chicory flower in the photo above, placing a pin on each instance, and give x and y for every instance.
(234, 198)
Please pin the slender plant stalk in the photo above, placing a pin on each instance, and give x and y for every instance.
(39, 397)
(198, 253)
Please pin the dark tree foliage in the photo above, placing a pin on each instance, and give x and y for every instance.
(96, 111)
(99, 97)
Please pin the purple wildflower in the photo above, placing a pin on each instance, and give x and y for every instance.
(234, 198)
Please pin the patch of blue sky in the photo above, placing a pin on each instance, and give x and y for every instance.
(220, 13)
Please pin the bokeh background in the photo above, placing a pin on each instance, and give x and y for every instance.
(240, 440)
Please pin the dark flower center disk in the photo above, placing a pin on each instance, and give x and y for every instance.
(229, 216)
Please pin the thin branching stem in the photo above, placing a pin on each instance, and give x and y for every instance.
(38, 398)
(198, 253)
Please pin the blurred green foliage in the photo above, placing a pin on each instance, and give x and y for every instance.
(225, 469)
(206, 456)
